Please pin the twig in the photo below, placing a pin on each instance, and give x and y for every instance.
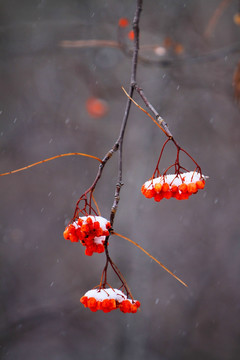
(158, 122)
(167, 61)
(152, 257)
(118, 146)
(215, 17)
(49, 159)
(127, 109)
(154, 111)
(89, 43)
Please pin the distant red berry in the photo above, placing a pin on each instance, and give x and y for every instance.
(236, 19)
(96, 108)
(131, 35)
(123, 22)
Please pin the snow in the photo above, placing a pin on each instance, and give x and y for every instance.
(173, 179)
(102, 221)
(109, 293)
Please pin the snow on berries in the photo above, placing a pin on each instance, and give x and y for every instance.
(109, 299)
(178, 186)
(91, 231)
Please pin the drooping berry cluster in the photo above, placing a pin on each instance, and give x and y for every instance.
(108, 300)
(91, 231)
(178, 186)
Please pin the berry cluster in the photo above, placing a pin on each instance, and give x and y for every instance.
(91, 231)
(178, 186)
(108, 300)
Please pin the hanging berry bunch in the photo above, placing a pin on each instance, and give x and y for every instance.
(180, 185)
(91, 231)
(108, 300)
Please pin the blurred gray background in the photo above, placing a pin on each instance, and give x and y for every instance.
(43, 91)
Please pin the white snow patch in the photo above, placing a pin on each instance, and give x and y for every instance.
(102, 221)
(173, 179)
(103, 294)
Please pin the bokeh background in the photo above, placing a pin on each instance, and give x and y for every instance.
(44, 89)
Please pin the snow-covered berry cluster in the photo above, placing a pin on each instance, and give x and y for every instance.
(109, 299)
(178, 186)
(91, 231)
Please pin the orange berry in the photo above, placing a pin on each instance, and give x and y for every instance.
(89, 221)
(158, 187)
(133, 309)
(88, 251)
(99, 232)
(112, 304)
(174, 188)
(108, 225)
(66, 234)
(158, 197)
(92, 303)
(183, 188)
(87, 242)
(100, 248)
(165, 187)
(143, 189)
(200, 184)
(99, 305)
(123, 22)
(92, 246)
(71, 228)
(105, 304)
(80, 221)
(107, 310)
(96, 225)
(192, 188)
(125, 306)
(137, 303)
(79, 233)
(236, 19)
(178, 196)
(84, 300)
(131, 35)
(73, 238)
(149, 194)
(185, 196)
(85, 228)
(167, 194)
